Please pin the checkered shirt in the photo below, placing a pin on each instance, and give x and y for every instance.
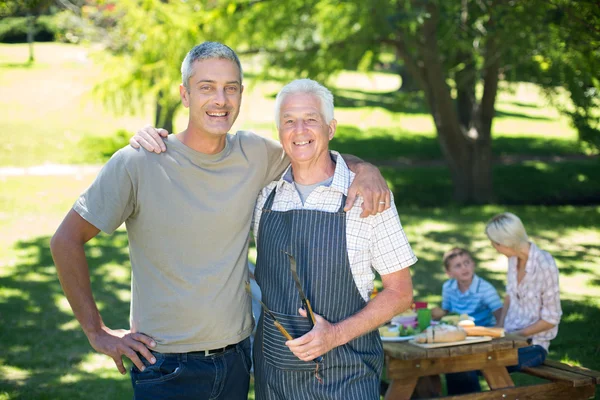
(536, 297)
(376, 242)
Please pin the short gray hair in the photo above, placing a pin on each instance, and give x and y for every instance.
(206, 51)
(307, 86)
(507, 230)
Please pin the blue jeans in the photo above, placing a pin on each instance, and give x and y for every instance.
(530, 356)
(462, 383)
(183, 376)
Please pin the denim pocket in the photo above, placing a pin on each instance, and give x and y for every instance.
(164, 369)
(275, 351)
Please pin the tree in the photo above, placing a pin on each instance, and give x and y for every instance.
(568, 58)
(456, 50)
(32, 9)
(148, 42)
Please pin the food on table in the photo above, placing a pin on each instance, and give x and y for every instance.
(465, 322)
(397, 330)
(389, 331)
(441, 334)
(454, 318)
(407, 318)
(484, 331)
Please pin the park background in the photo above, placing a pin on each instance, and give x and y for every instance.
(469, 108)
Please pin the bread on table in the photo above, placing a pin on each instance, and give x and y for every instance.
(441, 334)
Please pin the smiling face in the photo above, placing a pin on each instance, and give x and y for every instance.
(215, 96)
(461, 268)
(303, 131)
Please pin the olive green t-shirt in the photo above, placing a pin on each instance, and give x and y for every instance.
(188, 217)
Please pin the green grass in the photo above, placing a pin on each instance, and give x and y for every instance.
(47, 114)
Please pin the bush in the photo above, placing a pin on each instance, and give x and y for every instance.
(62, 27)
(14, 30)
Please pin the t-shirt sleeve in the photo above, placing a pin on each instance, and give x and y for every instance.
(446, 297)
(109, 200)
(390, 249)
(277, 160)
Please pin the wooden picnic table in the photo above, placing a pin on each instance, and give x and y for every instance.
(406, 363)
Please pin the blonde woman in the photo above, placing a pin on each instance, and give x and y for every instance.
(532, 303)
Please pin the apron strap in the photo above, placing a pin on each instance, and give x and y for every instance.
(269, 203)
(341, 209)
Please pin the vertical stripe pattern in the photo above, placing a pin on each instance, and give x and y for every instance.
(317, 240)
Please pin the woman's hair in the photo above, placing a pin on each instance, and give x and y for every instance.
(507, 230)
(307, 86)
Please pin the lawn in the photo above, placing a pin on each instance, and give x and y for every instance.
(48, 115)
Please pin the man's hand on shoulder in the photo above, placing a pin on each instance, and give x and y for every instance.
(369, 183)
(150, 139)
(120, 342)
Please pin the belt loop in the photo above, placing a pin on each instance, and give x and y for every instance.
(183, 357)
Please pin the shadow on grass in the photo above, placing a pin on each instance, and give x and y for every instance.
(27, 64)
(391, 144)
(537, 183)
(443, 228)
(408, 103)
(41, 343)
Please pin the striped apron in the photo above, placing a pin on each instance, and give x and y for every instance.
(317, 240)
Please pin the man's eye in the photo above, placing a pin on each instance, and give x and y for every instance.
(231, 89)
(205, 88)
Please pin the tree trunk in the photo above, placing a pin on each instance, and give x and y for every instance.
(409, 83)
(30, 34)
(164, 115)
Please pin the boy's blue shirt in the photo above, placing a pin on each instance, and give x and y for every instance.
(479, 301)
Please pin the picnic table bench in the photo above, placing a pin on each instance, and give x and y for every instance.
(407, 364)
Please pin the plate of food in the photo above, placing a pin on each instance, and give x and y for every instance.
(445, 335)
(396, 333)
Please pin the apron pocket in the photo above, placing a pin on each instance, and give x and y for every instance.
(275, 352)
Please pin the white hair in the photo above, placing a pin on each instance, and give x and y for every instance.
(307, 86)
(507, 230)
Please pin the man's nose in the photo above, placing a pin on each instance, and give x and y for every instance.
(299, 125)
(220, 99)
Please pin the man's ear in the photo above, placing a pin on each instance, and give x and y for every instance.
(185, 96)
(332, 128)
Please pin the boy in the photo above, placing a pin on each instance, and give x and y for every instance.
(466, 293)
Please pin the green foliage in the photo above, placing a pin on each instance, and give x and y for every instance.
(566, 56)
(98, 150)
(149, 41)
(14, 29)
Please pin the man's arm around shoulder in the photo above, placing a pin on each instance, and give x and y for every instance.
(67, 246)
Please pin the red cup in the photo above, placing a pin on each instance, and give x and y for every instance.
(420, 304)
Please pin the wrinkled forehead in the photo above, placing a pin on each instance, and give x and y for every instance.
(306, 104)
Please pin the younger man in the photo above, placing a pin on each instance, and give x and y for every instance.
(466, 293)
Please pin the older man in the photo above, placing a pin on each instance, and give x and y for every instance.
(187, 213)
(335, 253)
